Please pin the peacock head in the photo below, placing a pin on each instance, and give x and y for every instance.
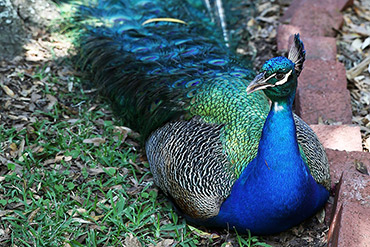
(278, 76)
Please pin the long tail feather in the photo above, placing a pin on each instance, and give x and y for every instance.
(151, 71)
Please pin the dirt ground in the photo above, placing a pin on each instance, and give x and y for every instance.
(26, 23)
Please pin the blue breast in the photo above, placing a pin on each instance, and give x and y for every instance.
(276, 191)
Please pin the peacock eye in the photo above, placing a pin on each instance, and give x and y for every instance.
(279, 76)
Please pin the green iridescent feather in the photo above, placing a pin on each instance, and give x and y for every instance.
(165, 79)
(226, 102)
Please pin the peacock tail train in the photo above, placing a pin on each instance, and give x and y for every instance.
(170, 74)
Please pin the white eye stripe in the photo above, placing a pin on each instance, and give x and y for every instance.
(268, 78)
(284, 80)
(265, 86)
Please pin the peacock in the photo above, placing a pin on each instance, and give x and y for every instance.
(222, 141)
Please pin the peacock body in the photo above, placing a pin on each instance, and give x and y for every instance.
(214, 144)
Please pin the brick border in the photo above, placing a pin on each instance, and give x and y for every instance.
(322, 96)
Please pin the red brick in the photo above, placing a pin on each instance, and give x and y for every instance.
(324, 48)
(354, 195)
(316, 19)
(341, 161)
(329, 5)
(334, 105)
(334, 76)
(290, 11)
(355, 226)
(339, 137)
(284, 32)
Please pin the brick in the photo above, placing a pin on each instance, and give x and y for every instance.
(284, 32)
(290, 11)
(334, 76)
(343, 4)
(354, 195)
(317, 20)
(329, 5)
(324, 48)
(334, 105)
(343, 161)
(339, 137)
(355, 226)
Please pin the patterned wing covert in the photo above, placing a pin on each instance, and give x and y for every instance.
(189, 163)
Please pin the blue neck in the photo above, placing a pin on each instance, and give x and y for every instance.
(276, 190)
(278, 141)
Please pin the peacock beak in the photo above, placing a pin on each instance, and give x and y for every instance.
(258, 83)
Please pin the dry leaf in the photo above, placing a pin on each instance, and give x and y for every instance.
(97, 217)
(361, 167)
(132, 241)
(67, 158)
(92, 108)
(202, 233)
(33, 214)
(52, 101)
(5, 212)
(7, 90)
(125, 131)
(48, 162)
(58, 158)
(96, 141)
(76, 212)
(356, 44)
(96, 171)
(13, 147)
(367, 143)
(21, 148)
(165, 243)
(35, 97)
(82, 221)
(366, 43)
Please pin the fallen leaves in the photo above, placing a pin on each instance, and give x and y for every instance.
(361, 167)
(132, 241)
(358, 69)
(7, 90)
(164, 243)
(58, 158)
(96, 141)
(354, 52)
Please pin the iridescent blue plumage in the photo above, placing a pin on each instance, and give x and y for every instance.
(276, 190)
(213, 146)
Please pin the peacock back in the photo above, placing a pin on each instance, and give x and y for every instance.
(169, 74)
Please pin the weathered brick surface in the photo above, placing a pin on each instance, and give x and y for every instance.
(329, 5)
(324, 48)
(316, 20)
(355, 227)
(324, 95)
(294, 5)
(283, 34)
(334, 75)
(339, 137)
(354, 195)
(343, 161)
(334, 105)
(343, 4)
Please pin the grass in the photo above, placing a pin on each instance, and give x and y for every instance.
(72, 177)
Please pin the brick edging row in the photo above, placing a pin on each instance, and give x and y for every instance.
(322, 96)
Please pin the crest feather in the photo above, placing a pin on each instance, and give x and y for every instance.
(297, 54)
